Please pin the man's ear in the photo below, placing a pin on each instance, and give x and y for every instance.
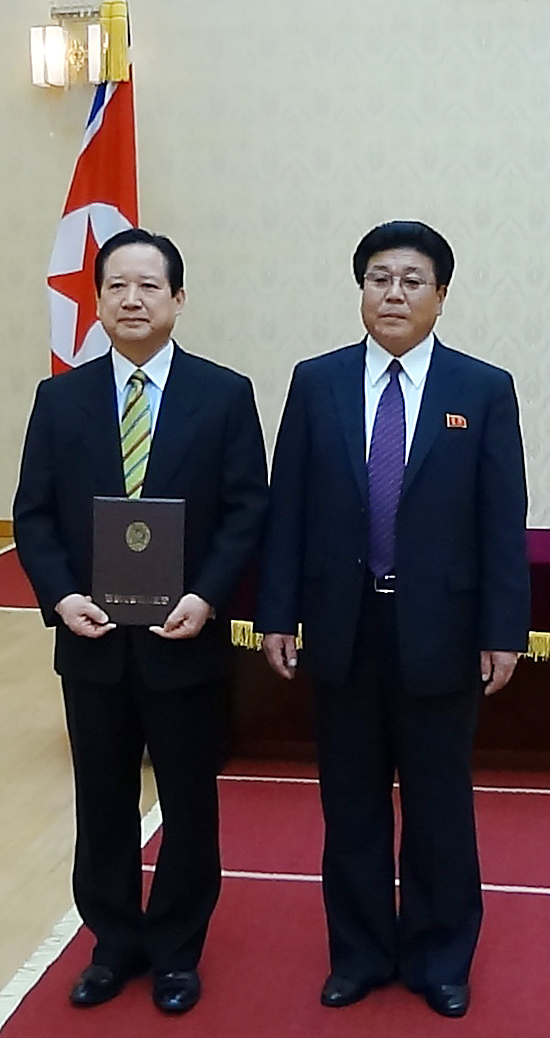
(441, 294)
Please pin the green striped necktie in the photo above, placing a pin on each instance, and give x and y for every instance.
(135, 434)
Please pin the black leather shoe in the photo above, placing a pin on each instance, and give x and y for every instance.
(177, 991)
(340, 991)
(448, 999)
(97, 984)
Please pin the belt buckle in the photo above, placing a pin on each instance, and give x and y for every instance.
(385, 585)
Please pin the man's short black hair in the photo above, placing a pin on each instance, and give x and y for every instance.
(399, 234)
(138, 236)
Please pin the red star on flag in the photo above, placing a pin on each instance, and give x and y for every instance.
(79, 286)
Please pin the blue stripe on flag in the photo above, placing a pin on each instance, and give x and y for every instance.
(98, 102)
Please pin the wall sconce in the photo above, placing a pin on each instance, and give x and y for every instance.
(69, 51)
(87, 44)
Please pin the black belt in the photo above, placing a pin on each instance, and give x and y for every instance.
(385, 585)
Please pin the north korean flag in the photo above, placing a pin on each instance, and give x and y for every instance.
(102, 200)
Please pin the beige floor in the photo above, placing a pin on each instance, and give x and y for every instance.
(36, 806)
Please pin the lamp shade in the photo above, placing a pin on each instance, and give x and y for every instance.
(49, 56)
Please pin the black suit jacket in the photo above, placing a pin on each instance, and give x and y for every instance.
(207, 448)
(462, 573)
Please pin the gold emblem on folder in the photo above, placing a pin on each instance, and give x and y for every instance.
(138, 536)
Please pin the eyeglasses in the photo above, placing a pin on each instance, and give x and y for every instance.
(409, 283)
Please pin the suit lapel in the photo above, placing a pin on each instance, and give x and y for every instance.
(95, 399)
(349, 391)
(441, 382)
(184, 394)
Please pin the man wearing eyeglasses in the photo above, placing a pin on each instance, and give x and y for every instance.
(396, 535)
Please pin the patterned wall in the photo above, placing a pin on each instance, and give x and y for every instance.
(299, 124)
(274, 133)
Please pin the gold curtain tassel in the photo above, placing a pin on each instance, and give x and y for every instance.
(105, 23)
(118, 42)
(113, 17)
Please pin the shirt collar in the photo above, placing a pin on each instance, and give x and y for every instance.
(157, 368)
(415, 362)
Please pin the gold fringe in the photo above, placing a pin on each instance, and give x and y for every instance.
(244, 636)
(113, 17)
(539, 645)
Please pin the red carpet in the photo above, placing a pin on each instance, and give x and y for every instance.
(15, 590)
(265, 958)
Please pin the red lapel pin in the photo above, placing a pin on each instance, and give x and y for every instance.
(456, 421)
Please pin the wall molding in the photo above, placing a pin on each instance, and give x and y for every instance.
(6, 528)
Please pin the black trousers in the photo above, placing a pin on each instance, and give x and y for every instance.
(109, 726)
(369, 729)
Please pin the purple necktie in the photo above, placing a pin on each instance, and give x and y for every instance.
(385, 468)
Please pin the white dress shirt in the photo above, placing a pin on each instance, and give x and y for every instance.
(157, 370)
(412, 379)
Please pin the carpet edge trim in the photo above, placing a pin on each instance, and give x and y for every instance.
(150, 823)
(311, 877)
(280, 779)
(28, 975)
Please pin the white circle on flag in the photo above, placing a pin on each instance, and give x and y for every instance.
(68, 258)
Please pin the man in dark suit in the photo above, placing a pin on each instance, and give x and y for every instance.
(127, 687)
(396, 534)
